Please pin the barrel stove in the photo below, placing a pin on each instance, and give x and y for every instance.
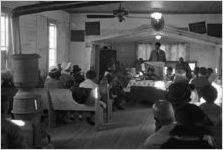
(26, 105)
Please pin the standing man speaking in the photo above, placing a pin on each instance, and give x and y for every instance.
(157, 54)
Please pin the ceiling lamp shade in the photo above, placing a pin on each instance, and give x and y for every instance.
(157, 21)
(158, 37)
(156, 15)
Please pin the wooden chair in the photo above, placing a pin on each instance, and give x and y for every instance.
(62, 100)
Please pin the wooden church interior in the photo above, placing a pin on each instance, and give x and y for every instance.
(81, 74)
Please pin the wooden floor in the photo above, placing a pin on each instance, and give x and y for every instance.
(127, 130)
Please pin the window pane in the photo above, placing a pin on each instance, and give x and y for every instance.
(52, 45)
(4, 33)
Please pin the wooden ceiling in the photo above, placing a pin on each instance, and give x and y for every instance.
(140, 7)
(168, 7)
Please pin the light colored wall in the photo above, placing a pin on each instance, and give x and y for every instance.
(126, 53)
(206, 56)
(111, 26)
(34, 36)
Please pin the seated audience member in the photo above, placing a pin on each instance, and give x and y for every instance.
(211, 75)
(195, 73)
(179, 94)
(53, 80)
(191, 131)
(117, 92)
(11, 135)
(180, 76)
(169, 75)
(77, 77)
(163, 113)
(164, 116)
(213, 111)
(7, 79)
(59, 66)
(201, 80)
(185, 66)
(66, 77)
(90, 82)
(151, 75)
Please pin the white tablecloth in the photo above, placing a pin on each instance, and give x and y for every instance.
(158, 84)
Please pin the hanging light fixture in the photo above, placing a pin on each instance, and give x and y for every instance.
(158, 37)
(156, 15)
(157, 21)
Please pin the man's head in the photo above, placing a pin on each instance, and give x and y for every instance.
(91, 74)
(202, 72)
(209, 72)
(150, 70)
(163, 112)
(157, 45)
(209, 93)
(181, 59)
(179, 93)
(169, 70)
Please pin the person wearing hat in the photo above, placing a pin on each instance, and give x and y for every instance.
(157, 54)
(53, 79)
(76, 74)
(179, 93)
(66, 77)
(184, 66)
(192, 130)
(201, 81)
(165, 121)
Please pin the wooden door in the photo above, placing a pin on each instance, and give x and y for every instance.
(106, 57)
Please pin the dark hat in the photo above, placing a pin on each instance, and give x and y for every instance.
(190, 114)
(179, 92)
(76, 68)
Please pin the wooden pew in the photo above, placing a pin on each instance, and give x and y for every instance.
(104, 92)
(62, 100)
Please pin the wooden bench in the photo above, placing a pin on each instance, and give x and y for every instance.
(62, 100)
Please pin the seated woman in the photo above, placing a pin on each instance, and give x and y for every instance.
(53, 80)
(191, 131)
(76, 74)
(164, 116)
(7, 79)
(209, 94)
(151, 75)
(66, 77)
(169, 75)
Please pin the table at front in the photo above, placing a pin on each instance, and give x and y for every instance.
(146, 91)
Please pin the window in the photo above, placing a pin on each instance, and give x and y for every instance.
(52, 45)
(4, 32)
(4, 40)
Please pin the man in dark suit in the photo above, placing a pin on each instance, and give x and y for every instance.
(157, 54)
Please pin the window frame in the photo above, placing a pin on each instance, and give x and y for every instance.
(50, 49)
(6, 32)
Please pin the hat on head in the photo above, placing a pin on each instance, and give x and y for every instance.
(190, 114)
(76, 68)
(52, 68)
(179, 92)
